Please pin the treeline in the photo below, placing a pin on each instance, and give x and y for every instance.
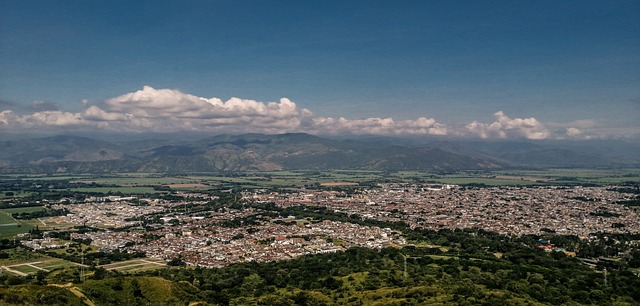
(40, 214)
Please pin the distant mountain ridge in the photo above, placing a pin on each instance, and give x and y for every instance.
(261, 152)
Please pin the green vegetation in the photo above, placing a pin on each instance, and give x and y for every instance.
(446, 267)
(22, 210)
(15, 255)
(38, 295)
(32, 188)
(6, 219)
(10, 227)
(139, 291)
(117, 190)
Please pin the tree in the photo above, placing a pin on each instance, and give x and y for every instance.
(176, 262)
(253, 283)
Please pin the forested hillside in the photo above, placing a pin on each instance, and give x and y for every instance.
(464, 268)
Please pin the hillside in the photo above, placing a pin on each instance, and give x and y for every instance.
(468, 268)
(259, 152)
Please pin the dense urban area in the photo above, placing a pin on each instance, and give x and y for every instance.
(96, 234)
(184, 226)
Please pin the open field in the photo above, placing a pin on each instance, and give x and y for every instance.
(154, 179)
(188, 186)
(21, 256)
(8, 231)
(138, 181)
(135, 265)
(331, 184)
(483, 180)
(125, 190)
(50, 177)
(10, 227)
(31, 267)
(16, 194)
(144, 183)
(5, 219)
(22, 209)
(49, 223)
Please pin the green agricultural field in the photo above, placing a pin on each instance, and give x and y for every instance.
(55, 264)
(616, 180)
(483, 180)
(12, 230)
(10, 227)
(54, 177)
(5, 219)
(22, 255)
(25, 269)
(16, 194)
(581, 175)
(140, 181)
(135, 265)
(22, 209)
(283, 173)
(123, 190)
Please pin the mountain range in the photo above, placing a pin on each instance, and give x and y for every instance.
(261, 152)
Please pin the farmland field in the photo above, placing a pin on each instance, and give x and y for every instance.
(10, 227)
(135, 265)
(9, 231)
(21, 256)
(22, 209)
(140, 183)
(124, 190)
(5, 218)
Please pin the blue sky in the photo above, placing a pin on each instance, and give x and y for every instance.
(572, 66)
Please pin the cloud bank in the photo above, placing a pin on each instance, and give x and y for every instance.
(170, 111)
(505, 127)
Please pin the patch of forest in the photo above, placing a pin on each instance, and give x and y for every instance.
(475, 268)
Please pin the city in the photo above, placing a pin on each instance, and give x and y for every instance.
(184, 229)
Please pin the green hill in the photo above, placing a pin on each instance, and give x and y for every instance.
(461, 267)
(138, 291)
(38, 295)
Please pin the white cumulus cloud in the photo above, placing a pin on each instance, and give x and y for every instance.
(170, 110)
(505, 127)
(379, 126)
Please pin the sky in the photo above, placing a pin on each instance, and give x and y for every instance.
(470, 69)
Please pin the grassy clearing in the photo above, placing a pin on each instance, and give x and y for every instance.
(10, 227)
(25, 269)
(5, 219)
(483, 180)
(21, 256)
(124, 190)
(55, 264)
(22, 209)
(53, 177)
(616, 180)
(10, 230)
(136, 268)
(140, 181)
(135, 265)
(50, 223)
(16, 194)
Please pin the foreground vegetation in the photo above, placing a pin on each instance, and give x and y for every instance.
(468, 268)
